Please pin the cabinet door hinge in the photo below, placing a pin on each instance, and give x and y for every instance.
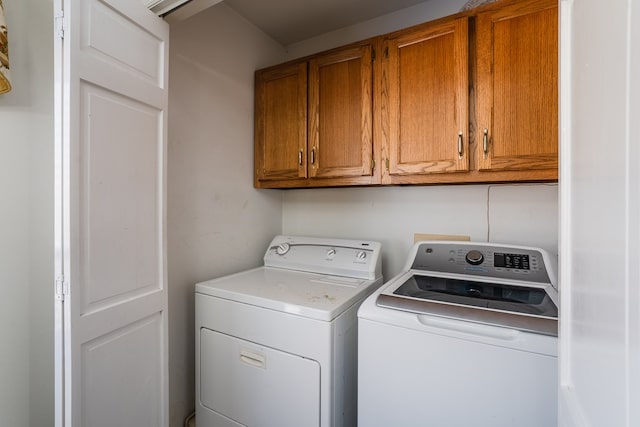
(62, 288)
(59, 24)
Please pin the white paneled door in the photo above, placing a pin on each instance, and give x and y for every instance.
(111, 310)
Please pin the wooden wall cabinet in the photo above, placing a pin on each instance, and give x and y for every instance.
(424, 101)
(281, 124)
(470, 98)
(517, 102)
(331, 142)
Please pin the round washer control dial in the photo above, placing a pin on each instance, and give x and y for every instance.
(282, 248)
(474, 257)
(361, 255)
(331, 253)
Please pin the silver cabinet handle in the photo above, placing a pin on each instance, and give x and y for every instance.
(300, 158)
(485, 141)
(459, 145)
(313, 156)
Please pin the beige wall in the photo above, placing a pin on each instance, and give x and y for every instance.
(26, 219)
(217, 222)
(517, 214)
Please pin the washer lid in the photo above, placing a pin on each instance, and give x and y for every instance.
(520, 305)
(498, 296)
(311, 295)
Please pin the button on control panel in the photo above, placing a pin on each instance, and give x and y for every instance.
(474, 257)
(282, 248)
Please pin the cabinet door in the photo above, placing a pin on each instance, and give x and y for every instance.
(424, 99)
(517, 65)
(281, 123)
(340, 114)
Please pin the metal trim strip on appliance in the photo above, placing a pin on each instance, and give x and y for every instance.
(293, 245)
(527, 323)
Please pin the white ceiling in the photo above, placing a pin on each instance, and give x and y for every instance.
(291, 21)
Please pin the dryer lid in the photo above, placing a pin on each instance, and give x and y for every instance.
(316, 296)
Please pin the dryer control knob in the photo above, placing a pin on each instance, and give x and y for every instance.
(361, 255)
(331, 253)
(474, 257)
(282, 248)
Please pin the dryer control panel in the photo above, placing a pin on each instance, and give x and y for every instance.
(337, 257)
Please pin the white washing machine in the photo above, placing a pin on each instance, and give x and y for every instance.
(276, 346)
(465, 336)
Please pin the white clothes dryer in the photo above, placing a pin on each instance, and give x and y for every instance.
(276, 346)
(465, 336)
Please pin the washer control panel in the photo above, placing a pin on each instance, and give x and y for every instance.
(501, 261)
(338, 257)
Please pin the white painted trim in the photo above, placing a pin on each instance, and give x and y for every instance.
(161, 7)
(187, 10)
(58, 78)
(564, 237)
(633, 215)
(570, 412)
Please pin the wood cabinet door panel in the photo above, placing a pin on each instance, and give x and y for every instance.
(340, 114)
(425, 99)
(281, 117)
(517, 87)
